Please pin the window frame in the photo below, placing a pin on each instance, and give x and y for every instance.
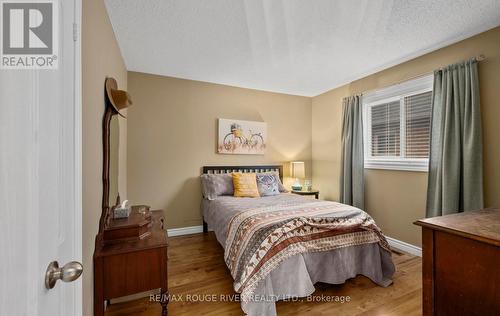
(387, 95)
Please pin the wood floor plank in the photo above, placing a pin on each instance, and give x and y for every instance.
(196, 266)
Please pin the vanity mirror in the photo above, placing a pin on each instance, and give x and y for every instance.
(130, 253)
(114, 160)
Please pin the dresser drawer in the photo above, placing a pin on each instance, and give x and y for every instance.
(134, 272)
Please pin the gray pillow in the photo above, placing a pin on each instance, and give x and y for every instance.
(214, 185)
(267, 183)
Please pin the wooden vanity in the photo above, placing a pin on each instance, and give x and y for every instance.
(131, 264)
(130, 255)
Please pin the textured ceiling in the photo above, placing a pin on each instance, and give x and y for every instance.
(299, 47)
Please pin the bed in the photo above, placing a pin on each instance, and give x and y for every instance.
(277, 247)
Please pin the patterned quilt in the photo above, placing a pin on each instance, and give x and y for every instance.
(259, 239)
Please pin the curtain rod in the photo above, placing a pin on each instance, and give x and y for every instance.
(480, 57)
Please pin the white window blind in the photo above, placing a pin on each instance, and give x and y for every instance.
(418, 124)
(386, 129)
(397, 126)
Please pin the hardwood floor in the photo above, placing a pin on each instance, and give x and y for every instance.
(196, 266)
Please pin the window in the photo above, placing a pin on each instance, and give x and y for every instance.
(397, 122)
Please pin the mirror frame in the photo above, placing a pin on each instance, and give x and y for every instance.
(106, 135)
(114, 101)
(109, 112)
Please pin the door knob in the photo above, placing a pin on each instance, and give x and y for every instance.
(70, 272)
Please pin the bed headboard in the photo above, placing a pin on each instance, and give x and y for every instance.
(244, 169)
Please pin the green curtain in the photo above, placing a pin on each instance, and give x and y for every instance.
(455, 181)
(352, 165)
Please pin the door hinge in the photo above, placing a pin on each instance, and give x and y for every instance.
(75, 32)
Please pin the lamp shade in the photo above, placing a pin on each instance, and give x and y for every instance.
(297, 169)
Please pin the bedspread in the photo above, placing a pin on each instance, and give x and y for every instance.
(258, 240)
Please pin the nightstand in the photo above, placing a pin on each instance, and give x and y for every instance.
(312, 192)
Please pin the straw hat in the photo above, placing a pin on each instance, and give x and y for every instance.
(119, 99)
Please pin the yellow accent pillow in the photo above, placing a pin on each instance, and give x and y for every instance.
(245, 185)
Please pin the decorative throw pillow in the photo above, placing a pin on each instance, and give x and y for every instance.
(267, 184)
(281, 187)
(214, 185)
(245, 185)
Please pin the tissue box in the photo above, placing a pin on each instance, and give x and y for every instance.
(121, 212)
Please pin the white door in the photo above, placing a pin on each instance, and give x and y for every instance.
(40, 176)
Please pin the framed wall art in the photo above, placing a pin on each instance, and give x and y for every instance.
(242, 137)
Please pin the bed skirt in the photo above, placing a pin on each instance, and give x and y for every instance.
(296, 276)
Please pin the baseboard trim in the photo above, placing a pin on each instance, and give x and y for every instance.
(404, 246)
(184, 231)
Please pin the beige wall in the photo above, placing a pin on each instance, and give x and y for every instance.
(101, 57)
(172, 130)
(397, 198)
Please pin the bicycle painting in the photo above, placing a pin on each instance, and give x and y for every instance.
(241, 137)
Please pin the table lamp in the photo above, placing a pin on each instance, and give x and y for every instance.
(297, 172)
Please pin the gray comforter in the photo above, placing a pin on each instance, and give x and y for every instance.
(334, 266)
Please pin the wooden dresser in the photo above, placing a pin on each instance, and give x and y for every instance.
(125, 265)
(461, 263)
